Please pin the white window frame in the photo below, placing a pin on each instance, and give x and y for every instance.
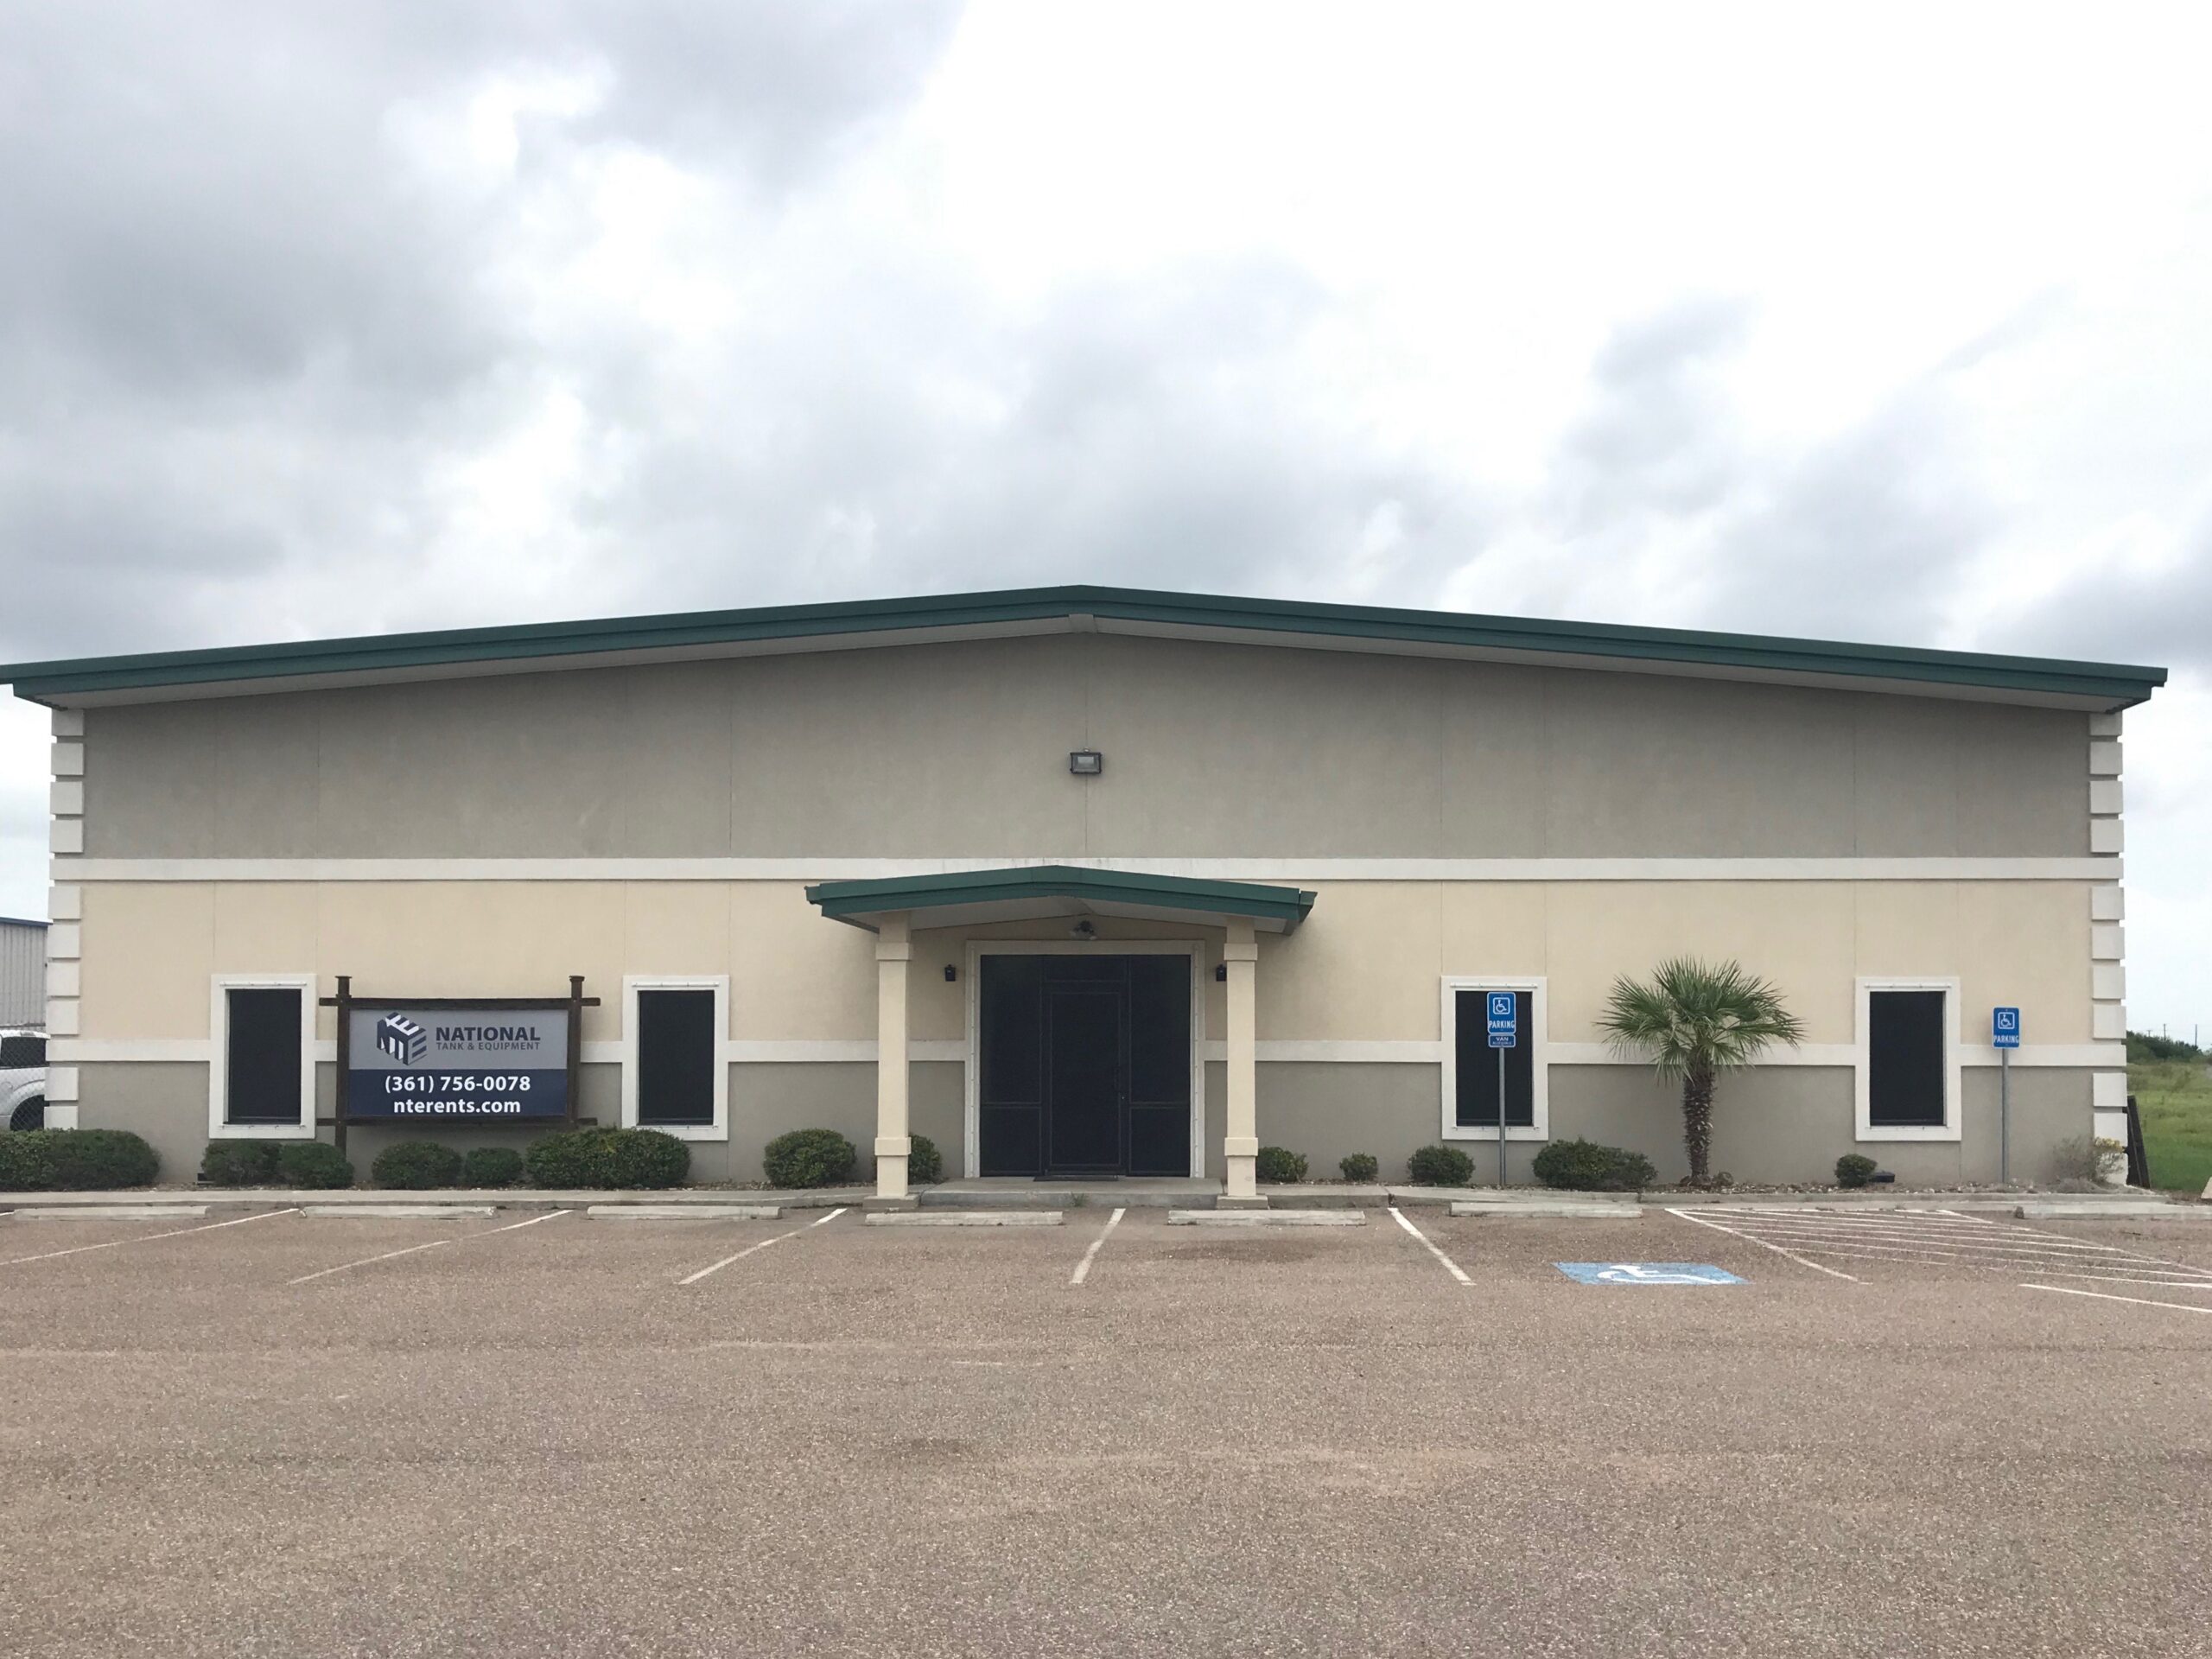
(1862, 1065)
(719, 984)
(972, 1083)
(1538, 1044)
(219, 1057)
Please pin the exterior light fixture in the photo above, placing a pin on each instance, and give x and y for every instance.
(1083, 930)
(1220, 972)
(1086, 763)
(949, 974)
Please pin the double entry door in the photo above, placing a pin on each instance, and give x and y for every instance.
(1085, 1064)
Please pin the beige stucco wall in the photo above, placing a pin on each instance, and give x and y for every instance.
(959, 750)
(1365, 968)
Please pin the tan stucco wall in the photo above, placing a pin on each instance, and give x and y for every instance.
(959, 750)
(1366, 966)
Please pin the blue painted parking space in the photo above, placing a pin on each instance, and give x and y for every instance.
(1646, 1273)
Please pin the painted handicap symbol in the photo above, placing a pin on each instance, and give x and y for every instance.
(1646, 1273)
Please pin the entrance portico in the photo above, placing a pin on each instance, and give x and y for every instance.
(1080, 1057)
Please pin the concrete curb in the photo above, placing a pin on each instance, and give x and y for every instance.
(398, 1211)
(1560, 1209)
(963, 1219)
(112, 1212)
(503, 1198)
(2108, 1209)
(1269, 1218)
(682, 1211)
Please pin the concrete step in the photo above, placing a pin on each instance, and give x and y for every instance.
(1552, 1209)
(398, 1211)
(962, 1218)
(1268, 1217)
(112, 1212)
(683, 1212)
(1047, 1195)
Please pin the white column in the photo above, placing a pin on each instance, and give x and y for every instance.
(64, 939)
(894, 948)
(1240, 1143)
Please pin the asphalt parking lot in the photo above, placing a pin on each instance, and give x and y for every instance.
(291, 1436)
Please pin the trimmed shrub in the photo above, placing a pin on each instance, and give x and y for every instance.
(1360, 1166)
(75, 1160)
(1279, 1165)
(924, 1161)
(808, 1158)
(312, 1163)
(642, 1158)
(1854, 1169)
(416, 1165)
(1585, 1166)
(239, 1163)
(607, 1159)
(1441, 1166)
(490, 1167)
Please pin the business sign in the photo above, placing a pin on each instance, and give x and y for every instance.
(1646, 1273)
(1504, 1018)
(405, 1064)
(2004, 1027)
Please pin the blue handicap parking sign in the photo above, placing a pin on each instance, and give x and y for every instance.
(1504, 1017)
(1646, 1273)
(2004, 1027)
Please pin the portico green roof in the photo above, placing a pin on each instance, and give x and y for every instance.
(459, 652)
(1039, 890)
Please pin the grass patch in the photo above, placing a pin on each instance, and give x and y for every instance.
(2175, 1099)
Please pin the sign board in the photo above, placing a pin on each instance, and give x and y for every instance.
(2004, 1027)
(1646, 1273)
(451, 1060)
(1504, 1018)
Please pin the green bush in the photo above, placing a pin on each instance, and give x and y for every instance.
(416, 1165)
(1279, 1165)
(75, 1160)
(239, 1163)
(808, 1158)
(1585, 1166)
(490, 1167)
(1441, 1166)
(1853, 1169)
(924, 1161)
(312, 1163)
(607, 1159)
(1360, 1166)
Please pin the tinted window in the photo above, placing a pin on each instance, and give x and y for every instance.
(1477, 1064)
(262, 1057)
(1904, 1079)
(676, 1057)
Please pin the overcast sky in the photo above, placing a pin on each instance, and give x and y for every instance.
(1889, 325)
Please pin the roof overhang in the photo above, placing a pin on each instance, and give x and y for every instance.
(777, 630)
(1035, 892)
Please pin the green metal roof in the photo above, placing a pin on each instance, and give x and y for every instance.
(1281, 908)
(248, 667)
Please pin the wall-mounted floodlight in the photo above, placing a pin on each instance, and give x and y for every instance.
(1086, 763)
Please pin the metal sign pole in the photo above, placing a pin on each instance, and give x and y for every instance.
(2003, 1117)
(1501, 1117)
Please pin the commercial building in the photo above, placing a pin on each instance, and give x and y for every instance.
(1081, 881)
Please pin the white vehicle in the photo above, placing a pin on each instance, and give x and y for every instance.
(23, 1079)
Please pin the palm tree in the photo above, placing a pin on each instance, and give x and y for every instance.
(1694, 1021)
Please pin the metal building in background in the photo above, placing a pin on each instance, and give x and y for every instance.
(22, 972)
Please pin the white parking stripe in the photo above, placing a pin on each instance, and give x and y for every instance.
(762, 1245)
(1833, 1273)
(1979, 1244)
(1083, 1267)
(411, 1249)
(2140, 1301)
(148, 1238)
(1933, 1237)
(1449, 1266)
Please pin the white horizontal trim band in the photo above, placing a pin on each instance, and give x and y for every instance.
(199, 1051)
(1221, 869)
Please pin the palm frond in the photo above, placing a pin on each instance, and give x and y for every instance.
(1697, 1017)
